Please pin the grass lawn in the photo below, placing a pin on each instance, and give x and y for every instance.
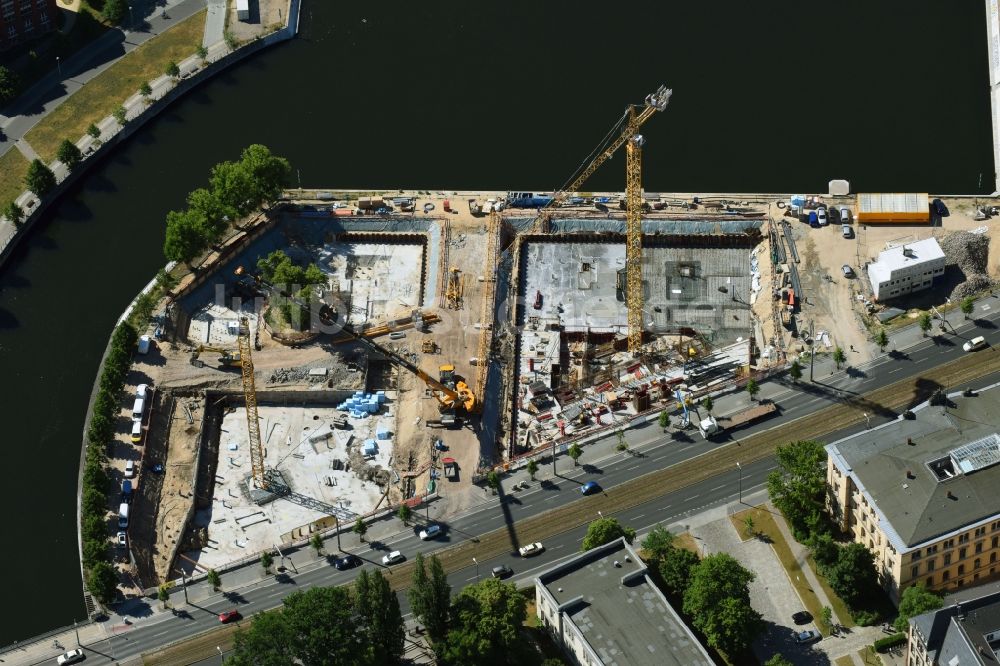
(687, 542)
(14, 167)
(103, 94)
(844, 661)
(838, 606)
(765, 526)
(868, 656)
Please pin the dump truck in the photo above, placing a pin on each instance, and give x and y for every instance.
(712, 426)
(450, 469)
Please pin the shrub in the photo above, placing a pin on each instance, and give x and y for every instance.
(866, 618)
(889, 642)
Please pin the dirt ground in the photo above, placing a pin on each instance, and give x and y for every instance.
(263, 13)
(177, 491)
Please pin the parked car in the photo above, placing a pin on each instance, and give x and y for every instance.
(590, 487)
(531, 549)
(939, 208)
(347, 562)
(229, 616)
(129, 469)
(847, 271)
(802, 617)
(846, 231)
(845, 215)
(975, 343)
(502, 571)
(429, 533)
(71, 657)
(392, 558)
(813, 219)
(122, 540)
(807, 636)
(821, 217)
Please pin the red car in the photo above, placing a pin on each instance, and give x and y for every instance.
(229, 616)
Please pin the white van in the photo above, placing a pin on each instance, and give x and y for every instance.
(123, 516)
(140, 391)
(975, 343)
(138, 408)
(144, 344)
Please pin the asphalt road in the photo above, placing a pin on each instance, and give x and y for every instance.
(657, 451)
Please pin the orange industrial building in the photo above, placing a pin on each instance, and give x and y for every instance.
(894, 207)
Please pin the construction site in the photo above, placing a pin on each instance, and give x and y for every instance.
(450, 334)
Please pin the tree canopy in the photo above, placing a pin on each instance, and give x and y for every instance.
(916, 600)
(718, 602)
(659, 542)
(39, 179)
(486, 625)
(69, 154)
(606, 530)
(186, 237)
(10, 85)
(798, 486)
(676, 568)
(430, 596)
(381, 619)
(853, 575)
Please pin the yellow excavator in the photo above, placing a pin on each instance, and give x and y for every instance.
(227, 357)
(453, 395)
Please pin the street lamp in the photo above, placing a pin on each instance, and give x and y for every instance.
(868, 421)
(337, 522)
(477, 568)
(131, 17)
(219, 650)
(600, 514)
(740, 468)
(185, 586)
(59, 66)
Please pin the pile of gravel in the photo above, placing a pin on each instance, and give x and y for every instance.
(969, 252)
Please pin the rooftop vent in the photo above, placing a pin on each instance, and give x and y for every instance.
(951, 495)
(909, 474)
(907, 252)
(909, 441)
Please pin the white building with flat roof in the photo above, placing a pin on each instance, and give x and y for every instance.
(905, 269)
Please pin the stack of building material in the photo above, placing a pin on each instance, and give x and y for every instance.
(361, 404)
(381, 432)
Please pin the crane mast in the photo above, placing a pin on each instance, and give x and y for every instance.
(250, 399)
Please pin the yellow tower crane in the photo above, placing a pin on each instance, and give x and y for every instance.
(250, 398)
(629, 136)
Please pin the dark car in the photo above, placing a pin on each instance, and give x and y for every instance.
(347, 562)
(939, 208)
(229, 616)
(807, 636)
(590, 487)
(802, 617)
(502, 571)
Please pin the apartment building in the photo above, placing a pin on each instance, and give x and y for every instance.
(907, 268)
(601, 607)
(962, 633)
(921, 493)
(21, 20)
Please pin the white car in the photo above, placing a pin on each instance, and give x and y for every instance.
(392, 558)
(129, 469)
(431, 532)
(975, 343)
(531, 549)
(71, 657)
(821, 217)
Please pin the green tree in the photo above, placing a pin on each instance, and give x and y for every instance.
(853, 575)
(120, 115)
(217, 214)
(13, 213)
(749, 528)
(659, 543)
(826, 617)
(707, 404)
(145, 90)
(266, 560)
(574, 451)
(360, 528)
(214, 579)
(69, 154)
(430, 597)
(532, 468)
(824, 550)
(486, 625)
(622, 442)
(718, 602)
(10, 85)
(102, 581)
(925, 322)
(404, 513)
(753, 388)
(187, 236)
(94, 551)
(882, 339)
(839, 357)
(322, 622)
(778, 659)
(795, 372)
(94, 131)
(114, 10)
(493, 481)
(798, 486)
(606, 530)
(968, 305)
(271, 641)
(269, 174)
(39, 179)
(916, 600)
(664, 420)
(316, 541)
(233, 186)
(202, 53)
(378, 608)
(172, 70)
(163, 594)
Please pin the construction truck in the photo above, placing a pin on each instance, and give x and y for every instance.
(710, 425)
(227, 357)
(450, 469)
(428, 346)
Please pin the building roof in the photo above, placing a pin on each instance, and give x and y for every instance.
(958, 634)
(931, 475)
(892, 202)
(908, 254)
(625, 619)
